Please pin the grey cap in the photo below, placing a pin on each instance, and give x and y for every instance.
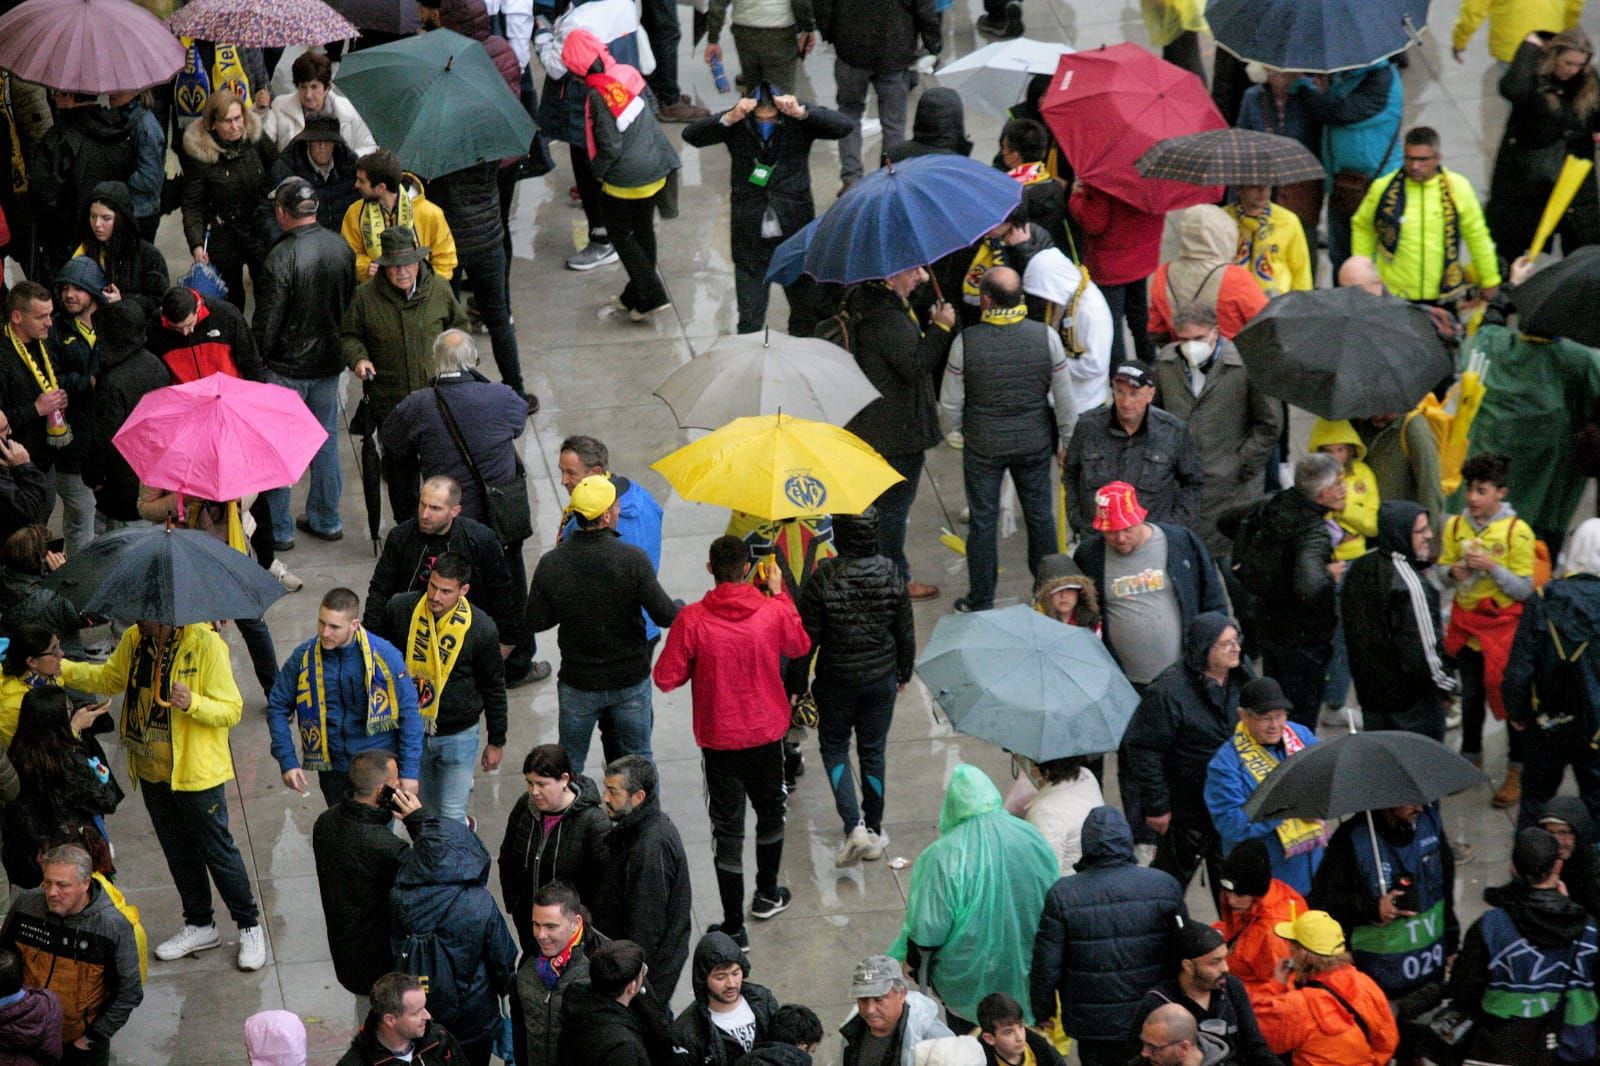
(875, 975)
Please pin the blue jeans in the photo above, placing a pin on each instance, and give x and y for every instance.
(486, 272)
(321, 396)
(624, 712)
(1337, 689)
(192, 828)
(894, 509)
(983, 475)
(445, 782)
(867, 710)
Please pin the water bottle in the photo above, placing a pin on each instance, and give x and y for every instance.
(720, 76)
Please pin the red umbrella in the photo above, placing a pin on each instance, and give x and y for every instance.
(88, 46)
(1108, 106)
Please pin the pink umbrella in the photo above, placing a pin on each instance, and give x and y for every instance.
(254, 24)
(88, 46)
(220, 438)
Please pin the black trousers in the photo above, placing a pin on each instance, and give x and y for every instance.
(732, 777)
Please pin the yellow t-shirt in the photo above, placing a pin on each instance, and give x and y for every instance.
(1509, 540)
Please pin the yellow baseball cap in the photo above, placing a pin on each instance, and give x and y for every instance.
(593, 496)
(1316, 931)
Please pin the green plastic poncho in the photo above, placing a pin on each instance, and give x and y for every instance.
(1538, 395)
(976, 894)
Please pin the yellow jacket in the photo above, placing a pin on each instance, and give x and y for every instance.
(201, 758)
(1508, 538)
(1422, 236)
(1512, 20)
(1359, 519)
(433, 232)
(12, 689)
(1273, 249)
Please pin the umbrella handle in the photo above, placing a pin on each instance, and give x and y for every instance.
(155, 675)
(1377, 859)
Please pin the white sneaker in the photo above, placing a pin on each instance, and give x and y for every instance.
(876, 844)
(191, 941)
(285, 578)
(1452, 717)
(1144, 854)
(855, 845)
(955, 439)
(252, 948)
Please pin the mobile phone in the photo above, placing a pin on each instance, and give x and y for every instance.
(386, 797)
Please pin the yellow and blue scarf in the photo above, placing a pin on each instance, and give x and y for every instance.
(311, 701)
(1297, 835)
(194, 84)
(432, 647)
(1391, 214)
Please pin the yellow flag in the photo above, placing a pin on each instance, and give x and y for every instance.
(1573, 174)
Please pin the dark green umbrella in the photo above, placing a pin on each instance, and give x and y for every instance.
(437, 101)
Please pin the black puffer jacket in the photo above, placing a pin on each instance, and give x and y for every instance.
(1286, 541)
(222, 185)
(878, 35)
(470, 200)
(1103, 936)
(856, 612)
(127, 372)
(140, 272)
(306, 283)
(698, 1040)
(357, 856)
(574, 852)
(899, 359)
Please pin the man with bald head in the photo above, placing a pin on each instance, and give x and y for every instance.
(1004, 374)
(1170, 1037)
(1361, 272)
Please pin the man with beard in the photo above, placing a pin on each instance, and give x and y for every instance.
(1217, 999)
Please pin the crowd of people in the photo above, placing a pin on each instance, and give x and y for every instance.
(1373, 582)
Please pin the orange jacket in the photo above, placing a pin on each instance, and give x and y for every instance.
(1238, 301)
(1320, 1032)
(1254, 949)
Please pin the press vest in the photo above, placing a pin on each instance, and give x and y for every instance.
(1006, 370)
(1408, 952)
(1526, 981)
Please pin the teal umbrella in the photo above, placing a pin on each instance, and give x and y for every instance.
(1034, 686)
(437, 101)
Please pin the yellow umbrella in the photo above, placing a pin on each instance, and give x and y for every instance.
(1573, 173)
(773, 466)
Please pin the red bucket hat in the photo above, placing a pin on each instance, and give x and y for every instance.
(1116, 507)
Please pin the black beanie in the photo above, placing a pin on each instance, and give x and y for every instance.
(1193, 939)
(1533, 854)
(1247, 871)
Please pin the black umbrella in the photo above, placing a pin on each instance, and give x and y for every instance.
(365, 425)
(1361, 772)
(1344, 353)
(171, 576)
(1560, 300)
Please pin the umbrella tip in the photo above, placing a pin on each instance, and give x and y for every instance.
(448, 63)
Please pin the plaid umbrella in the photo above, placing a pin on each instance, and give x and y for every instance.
(1230, 157)
(88, 46)
(252, 24)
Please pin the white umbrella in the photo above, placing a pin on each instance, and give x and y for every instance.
(993, 78)
(762, 374)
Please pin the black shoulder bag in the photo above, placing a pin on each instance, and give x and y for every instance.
(505, 502)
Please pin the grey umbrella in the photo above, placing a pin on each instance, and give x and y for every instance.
(763, 374)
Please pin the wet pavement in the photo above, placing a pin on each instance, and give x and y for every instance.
(594, 372)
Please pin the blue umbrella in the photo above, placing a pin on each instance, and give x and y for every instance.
(902, 216)
(789, 260)
(1032, 685)
(1316, 36)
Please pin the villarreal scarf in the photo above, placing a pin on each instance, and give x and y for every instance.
(1391, 214)
(432, 647)
(374, 221)
(311, 701)
(1297, 835)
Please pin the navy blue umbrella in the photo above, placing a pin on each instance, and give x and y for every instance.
(902, 216)
(1316, 36)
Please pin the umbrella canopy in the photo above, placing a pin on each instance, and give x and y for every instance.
(380, 16)
(1361, 772)
(1316, 36)
(904, 215)
(88, 46)
(1559, 301)
(774, 467)
(172, 576)
(220, 438)
(1109, 106)
(252, 24)
(1231, 157)
(1343, 353)
(789, 258)
(994, 78)
(437, 101)
(762, 374)
(1028, 683)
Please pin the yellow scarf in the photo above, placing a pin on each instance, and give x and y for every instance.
(991, 253)
(19, 162)
(227, 72)
(1005, 316)
(373, 222)
(432, 648)
(311, 701)
(1295, 834)
(236, 539)
(57, 433)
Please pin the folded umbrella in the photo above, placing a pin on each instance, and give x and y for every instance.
(1560, 300)
(1316, 36)
(252, 24)
(437, 101)
(763, 374)
(1109, 106)
(220, 438)
(1231, 157)
(1344, 353)
(88, 46)
(774, 467)
(171, 576)
(900, 216)
(1030, 684)
(994, 78)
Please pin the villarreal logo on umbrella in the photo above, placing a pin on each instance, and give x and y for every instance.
(806, 491)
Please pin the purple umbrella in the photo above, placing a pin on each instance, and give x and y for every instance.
(88, 46)
(253, 24)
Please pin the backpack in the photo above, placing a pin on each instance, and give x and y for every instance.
(840, 327)
(423, 956)
(1253, 562)
(130, 912)
(1559, 687)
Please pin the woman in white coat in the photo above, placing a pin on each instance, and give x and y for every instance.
(314, 95)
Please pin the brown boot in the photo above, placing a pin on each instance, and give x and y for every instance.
(921, 590)
(1510, 793)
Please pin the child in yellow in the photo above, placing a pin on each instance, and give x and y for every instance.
(1487, 553)
(1272, 243)
(1357, 521)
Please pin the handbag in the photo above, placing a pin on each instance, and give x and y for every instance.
(506, 508)
(1350, 186)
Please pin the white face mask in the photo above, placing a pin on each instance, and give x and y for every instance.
(1197, 352)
